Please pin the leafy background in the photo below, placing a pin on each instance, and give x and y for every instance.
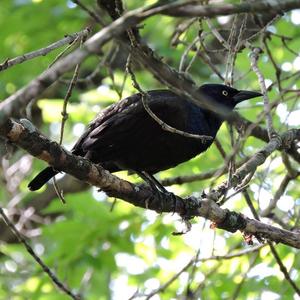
(107, 249)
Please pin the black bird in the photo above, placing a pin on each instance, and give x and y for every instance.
(125, 137)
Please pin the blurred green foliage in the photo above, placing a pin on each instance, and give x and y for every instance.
(108, 250)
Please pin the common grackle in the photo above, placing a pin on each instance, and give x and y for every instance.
(125, 137)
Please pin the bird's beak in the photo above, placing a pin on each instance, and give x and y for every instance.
(245, 95)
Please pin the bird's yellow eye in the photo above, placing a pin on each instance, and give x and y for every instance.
(224, 93)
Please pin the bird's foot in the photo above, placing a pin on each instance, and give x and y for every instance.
(173, 197)
(168, 197)
(156, 188)
(163, 197)
(159, 192)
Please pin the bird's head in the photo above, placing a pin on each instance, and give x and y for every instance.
(226, 95)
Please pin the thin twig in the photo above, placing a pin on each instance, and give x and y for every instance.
(283, 269)
(89, 11)
(180, 29)
(236, 48)
(280, 191)
(68, 39)
(198, 177)
(278, 70)
(65, 104)
(238, 288)
(63, 52)
(29, 249)
(195, 260)
(254, 59)
(206, 58)
(273, 250)
(182, 64)
(163, 125)
(231, 53)
(217, 34)
(220, 148)
(283, 39)
(64, 119)
(171, 280)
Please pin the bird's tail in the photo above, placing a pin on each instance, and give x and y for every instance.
(40, 179)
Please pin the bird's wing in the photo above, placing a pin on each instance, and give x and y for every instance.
(100, 121)
(126, 124)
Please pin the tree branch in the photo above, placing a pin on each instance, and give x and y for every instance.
(33, 142)
(63, 287)
(68, 39)
(163, 72)
(224, 9)
(93, 45)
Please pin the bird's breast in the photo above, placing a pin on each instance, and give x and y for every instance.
(197, 121)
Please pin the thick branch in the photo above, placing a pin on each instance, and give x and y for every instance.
(232, 221)
(22, 135)
(162, 71)
(93, 46)
(267, 6)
